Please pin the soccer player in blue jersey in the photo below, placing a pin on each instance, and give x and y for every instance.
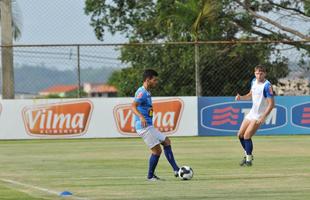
(261, 94)
(143, 109)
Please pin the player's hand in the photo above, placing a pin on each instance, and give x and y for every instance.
(143, 121)
(261, 120)
(238, 97)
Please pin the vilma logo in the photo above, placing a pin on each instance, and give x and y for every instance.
(59, 119)
(301, 115)
(166, 116)
(228, 116)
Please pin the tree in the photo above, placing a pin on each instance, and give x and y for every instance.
(203, 20)
(252, 8)
(9, 29)
(251, 16)
(16, 20)
(263, 25)
(192, 14)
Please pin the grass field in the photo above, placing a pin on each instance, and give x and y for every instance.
(116, 169)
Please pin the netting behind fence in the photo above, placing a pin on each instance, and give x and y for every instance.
(186, 69)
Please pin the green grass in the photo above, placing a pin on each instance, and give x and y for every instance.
(12, 194)
(116, 169)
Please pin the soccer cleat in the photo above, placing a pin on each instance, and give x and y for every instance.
(154, 178)
(243, 161)
(176, 174)
(248, 163)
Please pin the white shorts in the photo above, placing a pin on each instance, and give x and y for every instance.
(151, 136)
(252, 116)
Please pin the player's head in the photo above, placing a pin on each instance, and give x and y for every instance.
(150, 77)
(260, 72)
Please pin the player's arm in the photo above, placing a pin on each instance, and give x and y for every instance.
(136, 112)
(248, 96)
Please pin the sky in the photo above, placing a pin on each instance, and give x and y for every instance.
(57, 22)
(60, 22)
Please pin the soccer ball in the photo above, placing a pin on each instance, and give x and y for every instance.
(186, 173)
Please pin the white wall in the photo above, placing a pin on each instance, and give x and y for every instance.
(92, 118)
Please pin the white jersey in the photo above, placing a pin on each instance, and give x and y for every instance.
(260, 93)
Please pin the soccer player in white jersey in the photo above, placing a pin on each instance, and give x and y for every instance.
(261, 94)
(143, 109)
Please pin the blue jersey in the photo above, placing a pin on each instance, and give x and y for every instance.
(145, 107)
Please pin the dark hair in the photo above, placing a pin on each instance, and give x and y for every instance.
(260, 68)
(149, 74)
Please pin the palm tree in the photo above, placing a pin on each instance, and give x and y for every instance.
(16, 20)
(191, 14)
(10, 28)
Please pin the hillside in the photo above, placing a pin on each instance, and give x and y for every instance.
(32, 79)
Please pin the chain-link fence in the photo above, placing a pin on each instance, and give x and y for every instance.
(186, 69)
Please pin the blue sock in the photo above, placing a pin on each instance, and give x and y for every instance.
(248, 146)
(152, 165)
(242, 142)
(170, 157)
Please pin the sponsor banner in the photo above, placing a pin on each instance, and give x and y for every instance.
(301, 115)
(166, 116)
(92, 118)
(176, 116)
(223, 116)
(54, 119)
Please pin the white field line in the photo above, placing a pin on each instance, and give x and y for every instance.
(40, 188)
(109, 177)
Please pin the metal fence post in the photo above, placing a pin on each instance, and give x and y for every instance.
(197, 74)
(78, 71)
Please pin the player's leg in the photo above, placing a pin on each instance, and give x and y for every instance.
(250, 131)
(169, 155)
(154, 145)
(245, 123)
(165, 141)
(156, 152)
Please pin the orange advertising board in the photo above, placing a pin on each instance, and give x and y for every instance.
(166, 116)
(58, 119)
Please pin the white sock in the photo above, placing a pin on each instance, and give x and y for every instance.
(248, 158)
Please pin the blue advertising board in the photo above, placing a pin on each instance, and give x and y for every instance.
(224, 115)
